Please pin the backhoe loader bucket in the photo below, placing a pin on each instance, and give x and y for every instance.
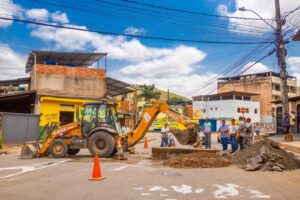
(30, 150)
(186, 136)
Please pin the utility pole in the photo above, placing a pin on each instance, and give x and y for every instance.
(281, 52)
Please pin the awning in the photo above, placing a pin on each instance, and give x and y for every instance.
(15, 81)
(116, 87)
(63, 58)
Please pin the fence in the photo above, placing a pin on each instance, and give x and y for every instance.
(17, 128)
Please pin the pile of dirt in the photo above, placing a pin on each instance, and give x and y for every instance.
(265, 155)
(195, 160)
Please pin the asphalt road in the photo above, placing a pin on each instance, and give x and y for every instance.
(137, 178)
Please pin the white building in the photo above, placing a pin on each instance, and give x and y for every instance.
(227, 106)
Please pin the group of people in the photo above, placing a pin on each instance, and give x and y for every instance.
(240, 135)
(166, 139)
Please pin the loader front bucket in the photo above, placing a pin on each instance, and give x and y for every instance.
(186, 136)
(30, 150)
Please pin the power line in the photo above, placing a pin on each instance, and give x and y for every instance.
(131, 35)
(188, 11)
(155, 19)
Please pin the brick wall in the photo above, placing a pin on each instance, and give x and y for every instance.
(70, 71)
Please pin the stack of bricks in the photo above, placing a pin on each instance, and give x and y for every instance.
(70, 71)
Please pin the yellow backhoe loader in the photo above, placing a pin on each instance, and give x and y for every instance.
(100, 132)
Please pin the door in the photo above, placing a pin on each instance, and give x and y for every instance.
(66, 117)
(298, 118)
(279, 115)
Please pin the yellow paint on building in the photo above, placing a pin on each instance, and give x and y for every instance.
(52, 107)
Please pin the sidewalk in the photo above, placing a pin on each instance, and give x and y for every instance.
(290, 146)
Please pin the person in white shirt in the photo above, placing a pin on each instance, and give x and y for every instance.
(233, 130)
(207, 133)
(164, 136)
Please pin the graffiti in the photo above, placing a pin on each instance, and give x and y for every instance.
(51, 117)
(47, 129)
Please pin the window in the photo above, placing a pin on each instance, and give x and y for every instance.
(216, 108)
(247, 110)
(238, 110)
(211, 108)
(255, 110)
(204, 110)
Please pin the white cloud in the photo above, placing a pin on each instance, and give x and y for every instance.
(265, 8)
(12, 64)
(294, 67)
(178, 61)
(8, 9)
(119, 48)
(257, 68)
(60, 17)
(38, 14)
(135, 31)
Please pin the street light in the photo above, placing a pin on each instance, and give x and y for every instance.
(244, 9)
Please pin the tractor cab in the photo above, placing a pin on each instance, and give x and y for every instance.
(99, 114)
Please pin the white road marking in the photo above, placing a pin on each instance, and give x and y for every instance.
(139, 188)
(257, 194)
(121, 168)
(30, 168)
(199, 190)
(145, 194)
(184, 189)
(158, 188)
(229, 190)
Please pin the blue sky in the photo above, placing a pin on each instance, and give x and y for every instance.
(182, 67)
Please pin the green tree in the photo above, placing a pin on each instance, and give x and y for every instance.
(174, 100)
(149, 92)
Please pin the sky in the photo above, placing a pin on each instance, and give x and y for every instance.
(186, 68)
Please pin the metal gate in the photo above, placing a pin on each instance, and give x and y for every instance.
(17, 128)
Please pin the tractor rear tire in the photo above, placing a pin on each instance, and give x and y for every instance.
(72, 152)
(101, 143)
(58, 148)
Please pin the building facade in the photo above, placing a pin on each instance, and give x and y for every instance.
(266, 84)
(227, 106)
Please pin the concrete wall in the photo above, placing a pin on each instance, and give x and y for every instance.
(227, 109)
(70, 81)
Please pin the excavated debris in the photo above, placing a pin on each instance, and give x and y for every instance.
(265, 155)
(196, 160)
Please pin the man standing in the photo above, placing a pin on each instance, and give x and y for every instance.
(242, 129)
(286, 127)
(224, 135)
(233, 134)
(249, 133)
(207, 133)
(164, 136)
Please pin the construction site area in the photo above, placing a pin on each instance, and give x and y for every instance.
(149, 100)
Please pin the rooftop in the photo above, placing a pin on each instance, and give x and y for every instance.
(264, 74)
(231, 93)
(77, 59)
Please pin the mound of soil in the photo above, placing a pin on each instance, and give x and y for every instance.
(265, 155)
(195, 160)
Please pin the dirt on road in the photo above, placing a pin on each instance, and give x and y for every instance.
(196, 160)
(265, 155)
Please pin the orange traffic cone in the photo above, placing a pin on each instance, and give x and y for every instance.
(145, 144)
(97, 174)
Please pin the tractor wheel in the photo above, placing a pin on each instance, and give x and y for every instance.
(101, 143)
(72, 152)
(58, 148)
